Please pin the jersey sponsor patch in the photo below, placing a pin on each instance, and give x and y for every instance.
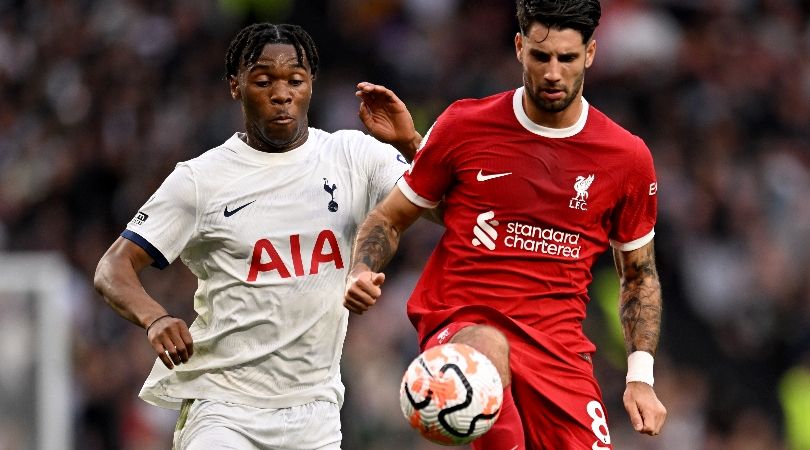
(484, 231)
(266, 258)
(546, 240)
(140, 218)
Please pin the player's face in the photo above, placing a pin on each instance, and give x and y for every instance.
(275, 94)
(554, 63)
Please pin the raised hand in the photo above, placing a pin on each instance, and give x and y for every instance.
(387, 118)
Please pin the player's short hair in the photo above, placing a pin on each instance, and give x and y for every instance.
(246, 47)
(580, 15)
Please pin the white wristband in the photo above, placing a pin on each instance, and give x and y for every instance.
(640, 367)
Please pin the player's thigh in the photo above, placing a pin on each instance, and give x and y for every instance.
(561, 411)
(445, 334)
(507, 432)
(315, 425)
(204, 425)
(484, 338)
(219, 437)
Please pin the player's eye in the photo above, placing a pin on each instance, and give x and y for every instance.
(296, 82)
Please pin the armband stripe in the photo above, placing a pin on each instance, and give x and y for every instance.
(159, 260)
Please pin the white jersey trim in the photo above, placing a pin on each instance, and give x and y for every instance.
(415, 198)
(634, 244)
(553, 133)
(237, 143)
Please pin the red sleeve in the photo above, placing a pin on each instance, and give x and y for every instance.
(431, 172)
(635, 216)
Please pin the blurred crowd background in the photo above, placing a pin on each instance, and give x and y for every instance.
(100, 99)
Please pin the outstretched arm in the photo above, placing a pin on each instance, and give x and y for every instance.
(387, 118)
(377, 242)
(116, 279)
(640, 312)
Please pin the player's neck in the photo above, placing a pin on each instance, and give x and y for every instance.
(268, 146)
(553, 119)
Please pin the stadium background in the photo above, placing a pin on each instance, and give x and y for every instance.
(99, 100)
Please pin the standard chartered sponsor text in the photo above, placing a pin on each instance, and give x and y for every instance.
(542, 240)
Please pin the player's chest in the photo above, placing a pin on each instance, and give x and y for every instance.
(302, 200)
(537, 180)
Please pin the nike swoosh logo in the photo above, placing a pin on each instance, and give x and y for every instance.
(234, 211)
(482, 177)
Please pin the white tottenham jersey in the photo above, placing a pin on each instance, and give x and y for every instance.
(269, 237)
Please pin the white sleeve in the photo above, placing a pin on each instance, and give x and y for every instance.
(167, 221)
(384, 165)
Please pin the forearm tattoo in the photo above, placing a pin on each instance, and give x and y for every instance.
(376, 246)
(640, 300)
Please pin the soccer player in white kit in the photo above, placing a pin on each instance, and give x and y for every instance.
(266, 223)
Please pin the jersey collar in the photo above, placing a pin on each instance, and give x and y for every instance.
(239, 146)
(554, 133)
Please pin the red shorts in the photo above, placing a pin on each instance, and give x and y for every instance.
(557, 401)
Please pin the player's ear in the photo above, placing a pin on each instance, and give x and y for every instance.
(590, 52)
(233, 82)
(519, 46)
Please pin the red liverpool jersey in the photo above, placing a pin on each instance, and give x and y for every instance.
(528, 210)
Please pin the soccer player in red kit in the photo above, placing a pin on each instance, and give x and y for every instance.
(535, 184)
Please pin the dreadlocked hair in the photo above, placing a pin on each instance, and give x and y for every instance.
(246, 47)
(580, 15)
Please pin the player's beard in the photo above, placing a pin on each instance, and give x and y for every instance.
(555, 106)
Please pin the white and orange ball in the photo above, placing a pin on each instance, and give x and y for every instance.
(451, 394)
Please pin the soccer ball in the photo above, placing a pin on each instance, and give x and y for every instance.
(451, 393)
